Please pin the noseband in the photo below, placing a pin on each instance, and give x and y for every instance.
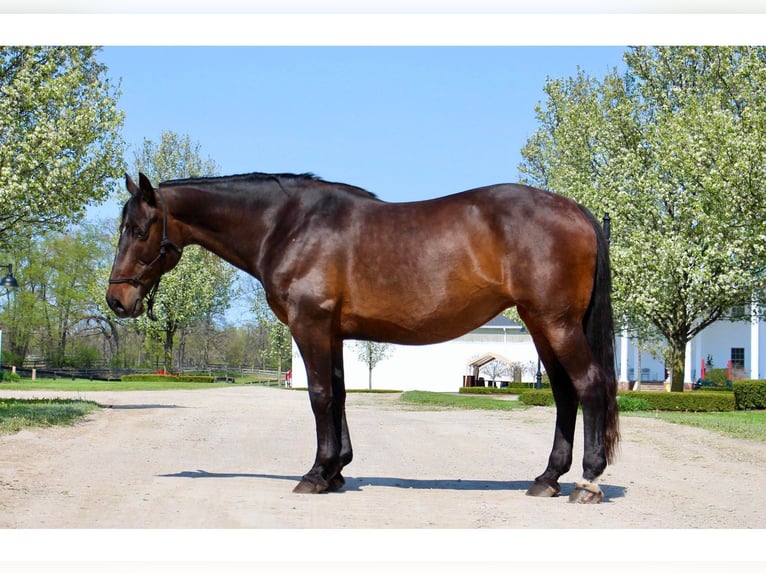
(164, 244)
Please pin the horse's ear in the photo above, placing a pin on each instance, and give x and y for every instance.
(130, 185)
(147, 191)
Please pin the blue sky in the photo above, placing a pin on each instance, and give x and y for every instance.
(406, 123)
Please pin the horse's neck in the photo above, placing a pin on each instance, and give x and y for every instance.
(214, 220)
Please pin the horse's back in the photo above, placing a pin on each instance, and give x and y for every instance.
(432, 270)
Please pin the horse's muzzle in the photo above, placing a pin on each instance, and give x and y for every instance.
(124, 307)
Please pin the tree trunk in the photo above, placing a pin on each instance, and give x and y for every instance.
(181, 358)
(168, 348)
(114, 340)
(369, 364)
(62, 347)
(677, 360)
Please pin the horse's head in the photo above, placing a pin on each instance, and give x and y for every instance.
(144, 251)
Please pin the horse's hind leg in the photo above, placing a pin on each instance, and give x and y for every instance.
(591, 390)
(572, 351)
(560, 459)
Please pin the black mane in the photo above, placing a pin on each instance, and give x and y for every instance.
(257, 177)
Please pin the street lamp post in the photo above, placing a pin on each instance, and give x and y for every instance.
(538, 376)
(9, 282)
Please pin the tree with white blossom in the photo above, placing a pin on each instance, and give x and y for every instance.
(60, 143)
(674, 150)
(201, 285)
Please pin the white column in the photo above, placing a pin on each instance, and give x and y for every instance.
(623, 357)
(755, 343)
(688, 363)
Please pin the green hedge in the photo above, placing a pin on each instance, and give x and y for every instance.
(519, 386)
(10, 377)
(697, 401)
(511, 389)
(750, 394)
(690, 401)
(633, 404)
(149, 377)
(535, 398)
(718, 377)
(487, 391)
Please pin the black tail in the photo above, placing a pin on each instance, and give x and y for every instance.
(599, 330)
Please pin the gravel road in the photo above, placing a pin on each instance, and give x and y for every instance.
(229, 458)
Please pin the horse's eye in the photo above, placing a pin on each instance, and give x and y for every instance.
(141, 233)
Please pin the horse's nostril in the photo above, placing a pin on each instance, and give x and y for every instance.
(115, 305)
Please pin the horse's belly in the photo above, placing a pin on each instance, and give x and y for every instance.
(423, 279)
(420, 321)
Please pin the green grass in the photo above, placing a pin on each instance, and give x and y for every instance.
(81, 385)
(17, 414)
(737, 424)
(446, 400)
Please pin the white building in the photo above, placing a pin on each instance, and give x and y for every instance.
(444, 366)
(737, 341)
(439, 367)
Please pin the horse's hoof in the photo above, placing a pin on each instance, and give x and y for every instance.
(544, 490)
(336, 483)
(311, 486)
(586, 493)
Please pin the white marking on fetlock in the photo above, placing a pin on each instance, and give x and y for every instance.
(589, 485)
(586, 492)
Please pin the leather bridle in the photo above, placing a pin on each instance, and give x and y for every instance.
(164, 244)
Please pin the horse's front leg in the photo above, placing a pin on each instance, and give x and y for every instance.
(316, 348)
(339, 412)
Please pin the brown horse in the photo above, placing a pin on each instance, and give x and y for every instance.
(337, 263)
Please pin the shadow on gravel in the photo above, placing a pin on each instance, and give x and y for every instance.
(610, 492)
(206, 474)
(357, 484)
(139, 407)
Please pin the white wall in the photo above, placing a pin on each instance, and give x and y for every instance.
(715, 341)
(652, 368)
(718, 340)
(442, 367)
(426, 368)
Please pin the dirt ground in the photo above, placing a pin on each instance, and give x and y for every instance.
(229, 458)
